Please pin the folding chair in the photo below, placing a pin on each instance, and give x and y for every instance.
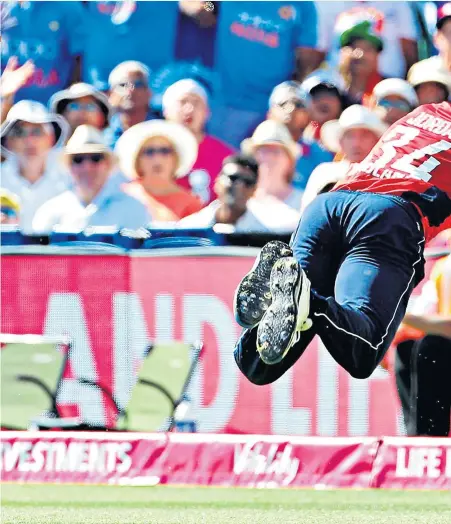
(31, 371)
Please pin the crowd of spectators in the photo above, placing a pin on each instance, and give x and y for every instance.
(195, 113)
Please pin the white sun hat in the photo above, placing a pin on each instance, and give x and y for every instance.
(354, 117)
(271, 132)
(59, 100)
(397, 87)
(34, 113)
(429, 70)
(130, 143)
(87, 139)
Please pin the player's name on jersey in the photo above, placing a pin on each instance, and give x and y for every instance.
(371, 168)
(435, 125)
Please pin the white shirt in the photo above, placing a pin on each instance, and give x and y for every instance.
(399, 24)
(262, 216)
(111, 207)
(53, 182)
(323, 175)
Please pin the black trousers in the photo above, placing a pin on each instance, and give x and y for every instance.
(363, 254)
(423, 378)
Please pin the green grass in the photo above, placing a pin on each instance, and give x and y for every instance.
(39, 504)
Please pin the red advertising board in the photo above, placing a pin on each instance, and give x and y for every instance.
(208, 460)
(112, 305)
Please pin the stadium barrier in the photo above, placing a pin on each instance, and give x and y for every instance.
(112, 304)
(225, 460)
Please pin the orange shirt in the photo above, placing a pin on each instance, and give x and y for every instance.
(165, 208)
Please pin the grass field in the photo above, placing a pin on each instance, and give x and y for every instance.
(39, 504)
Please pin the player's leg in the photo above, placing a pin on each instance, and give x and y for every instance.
(431, 389)
(380, 245)
(317, 244)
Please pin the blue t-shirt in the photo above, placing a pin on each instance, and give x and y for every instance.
(256, 45)
(49, 34)
(312, 156)
(119, 31)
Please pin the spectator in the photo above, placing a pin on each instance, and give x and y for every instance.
(130, 96)
(31, 137)
(288, 105)
(186, 103)
(398, 32)
(91, 201)
(276, 153)
(326, 92)
(236, 206)
(153, 155)
(353, 136)
(442, 38)
(432, 84)
(127, 30)
(49, 34)
(258, 46)
(10, 208)
(361, 45)
(82, 104)
(393, 99)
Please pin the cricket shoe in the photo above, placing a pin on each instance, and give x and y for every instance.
(253, 296)
(287, 316)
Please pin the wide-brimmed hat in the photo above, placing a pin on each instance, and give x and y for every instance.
(354, 117)
(34, 113)
(61, 99)
(396, 87)
(271, 132)
(87, 139)
(429, 71)
(130, 143)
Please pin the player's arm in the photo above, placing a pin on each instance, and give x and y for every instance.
(430, 324)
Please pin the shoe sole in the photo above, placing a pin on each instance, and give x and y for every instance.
(277, 328)
(253, 295)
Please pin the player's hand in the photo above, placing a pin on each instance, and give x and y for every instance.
(13, 77)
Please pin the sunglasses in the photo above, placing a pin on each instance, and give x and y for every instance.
(95, 158)
(138, 84)
(23, 132)
(8, 211)
(394, 104)
(240, 177)
(152, 151)
(89, 107)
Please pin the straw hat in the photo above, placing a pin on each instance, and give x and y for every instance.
(354, 117)
(271, 132)
(429, 71)
(59, 100)
(87, 139)
(398, 87)
(130, 143)
(34, 113)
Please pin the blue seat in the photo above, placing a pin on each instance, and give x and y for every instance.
(177, 242)
(11, 235)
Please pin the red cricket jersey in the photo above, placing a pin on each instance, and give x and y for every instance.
(412, 160)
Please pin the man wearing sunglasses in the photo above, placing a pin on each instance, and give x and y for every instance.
(95, 199)
(130, 97)
(235, 205)
(393, 99)
(31, 138)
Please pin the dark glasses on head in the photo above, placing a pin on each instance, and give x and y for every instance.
(89, 107)
(395, 104)
(95, 158)
(137, 84)
(240, 177)
(23, 132)
(152, 151)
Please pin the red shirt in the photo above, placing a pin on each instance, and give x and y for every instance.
(202, 178)
(412, 160)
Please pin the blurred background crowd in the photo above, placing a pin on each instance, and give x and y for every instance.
(196, 113)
